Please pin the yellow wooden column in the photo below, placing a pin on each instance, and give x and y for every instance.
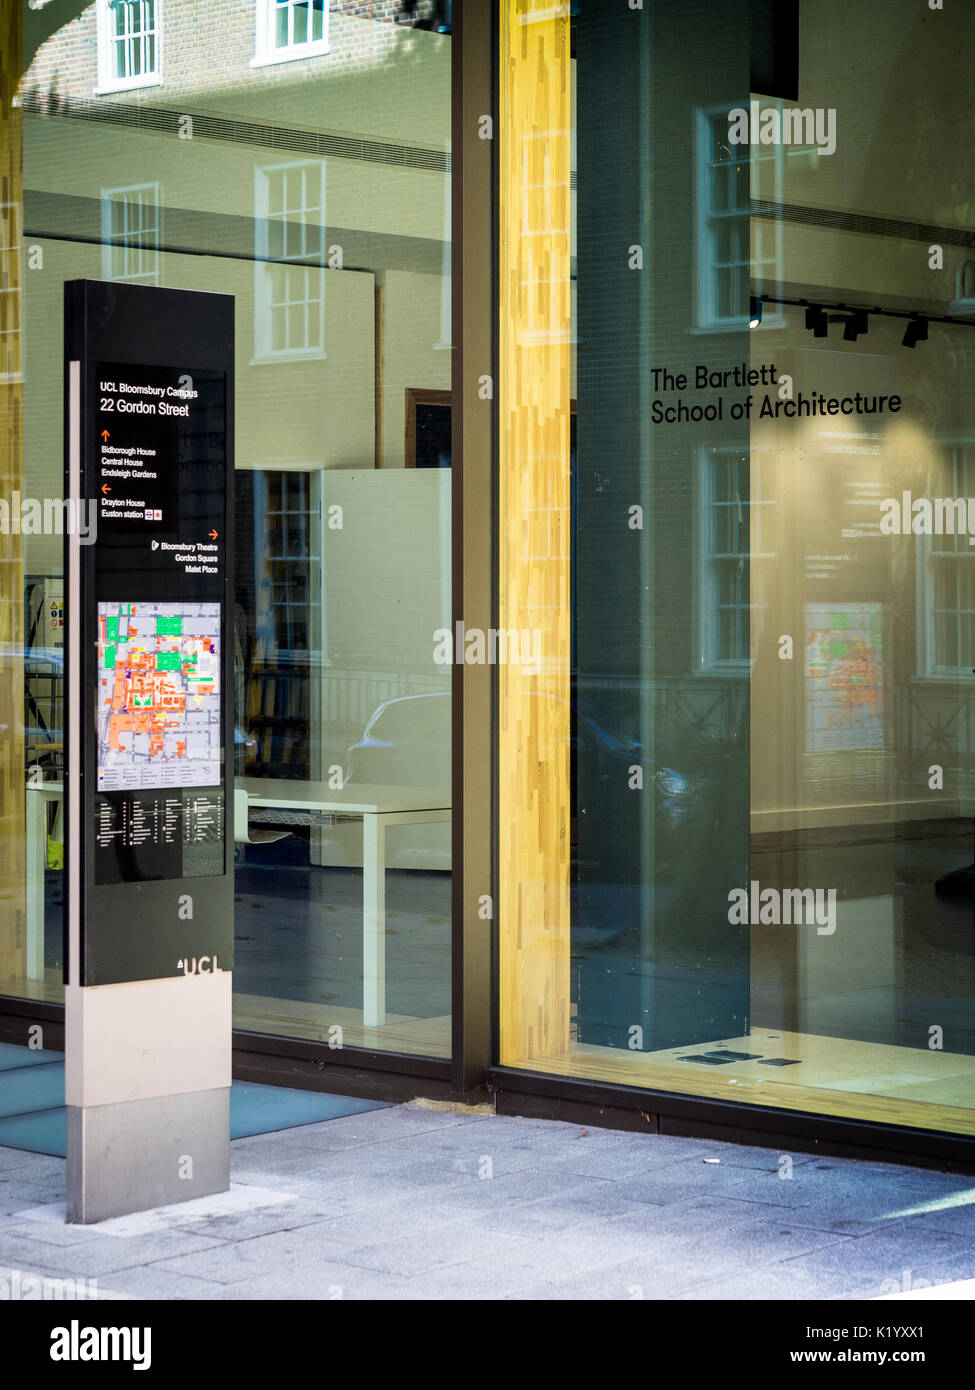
(12, 771)
(534, 130)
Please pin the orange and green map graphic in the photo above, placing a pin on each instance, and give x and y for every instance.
(158, 695)
(844, 676)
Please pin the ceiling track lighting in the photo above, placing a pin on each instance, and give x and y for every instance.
(816, 319)
(755, 311)
(856, 325)
(915, 332)
(856, 321)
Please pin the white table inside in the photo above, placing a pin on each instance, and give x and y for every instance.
(380, 807)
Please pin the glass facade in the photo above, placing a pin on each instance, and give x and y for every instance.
(641, 549)
(750, 289)
(297, 157)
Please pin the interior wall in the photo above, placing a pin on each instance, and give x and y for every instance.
(819, 482)
(385, 594)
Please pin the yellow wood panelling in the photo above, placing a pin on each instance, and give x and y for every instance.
(534, 129)
(12, 771)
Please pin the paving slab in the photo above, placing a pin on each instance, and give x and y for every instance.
(409, 1202)
(881, 1261)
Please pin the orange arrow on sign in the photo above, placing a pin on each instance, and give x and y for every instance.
(214, 535)
(105, 487)
(105, 435)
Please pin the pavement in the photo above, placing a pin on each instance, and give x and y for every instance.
(420, 1202)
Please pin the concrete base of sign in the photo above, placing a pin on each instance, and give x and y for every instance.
(147, 1085)
(139, 1154)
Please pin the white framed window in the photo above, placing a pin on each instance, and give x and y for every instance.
(289, 288)
(946, 583)
(737, 528)
(733, 247)
(129, 44)
(10, 296)
(130, 234)
(289, 29)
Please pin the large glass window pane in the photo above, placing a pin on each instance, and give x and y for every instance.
(318, 196)
(761, 890)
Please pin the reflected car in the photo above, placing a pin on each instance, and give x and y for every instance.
(406, 743)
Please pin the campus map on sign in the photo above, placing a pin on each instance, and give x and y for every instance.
(844, 676)
(158, 695)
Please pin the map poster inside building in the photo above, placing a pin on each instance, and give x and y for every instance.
(844, 677)
(150, 376)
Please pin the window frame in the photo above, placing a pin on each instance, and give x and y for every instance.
(707, 318)
(264, 354)
(927, 556)
(709, 661)
(109, 244)
(266, 53)
(107, 80)
(11, 262)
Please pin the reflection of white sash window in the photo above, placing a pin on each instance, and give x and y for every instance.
(733, 247)
(736, 529)
(289, 29)
(130, 234)
(946, 582)
(289, 291)
(128, 43)
(10, 302)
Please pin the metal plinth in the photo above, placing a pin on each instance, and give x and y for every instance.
(140, 1154)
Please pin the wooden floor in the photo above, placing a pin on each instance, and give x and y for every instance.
(833, 1076)
(423, 1037)
(50, 990)
(253, 1013)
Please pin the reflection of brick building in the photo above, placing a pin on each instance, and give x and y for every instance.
(284, 172)
(173, 44)
(313, 187)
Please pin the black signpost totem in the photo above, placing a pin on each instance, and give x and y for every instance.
(149, 745)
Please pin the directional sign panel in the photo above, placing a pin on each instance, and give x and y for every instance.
(150, 679)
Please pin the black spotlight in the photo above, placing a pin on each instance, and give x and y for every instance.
(755, 312)
(857, 323)
(816, 320)
(915, 332)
